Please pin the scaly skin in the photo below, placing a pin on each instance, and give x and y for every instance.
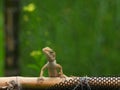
(51, 65)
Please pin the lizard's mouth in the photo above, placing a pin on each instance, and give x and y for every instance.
(44, 49)
(50, 57)
(46, 52)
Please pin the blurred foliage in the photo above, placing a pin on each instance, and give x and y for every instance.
(38, 59)
(1, 38)
(84, 34)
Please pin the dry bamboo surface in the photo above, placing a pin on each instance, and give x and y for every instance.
(31, 82)
(36, 83)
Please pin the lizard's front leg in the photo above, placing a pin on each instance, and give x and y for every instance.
(61, 74)
(41, 77)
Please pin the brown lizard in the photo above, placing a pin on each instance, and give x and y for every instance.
(51, 65)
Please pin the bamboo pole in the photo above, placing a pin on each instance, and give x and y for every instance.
(36, 83)
(31, 82)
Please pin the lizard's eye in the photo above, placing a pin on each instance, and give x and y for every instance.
(51, 52)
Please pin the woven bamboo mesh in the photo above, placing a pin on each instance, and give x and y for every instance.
(89, 83)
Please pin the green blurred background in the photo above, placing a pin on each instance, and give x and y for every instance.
(84, 34)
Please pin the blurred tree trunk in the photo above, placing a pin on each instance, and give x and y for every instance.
(1, 39)
(11, 12)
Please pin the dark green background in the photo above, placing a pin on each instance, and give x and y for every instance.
(84, 34)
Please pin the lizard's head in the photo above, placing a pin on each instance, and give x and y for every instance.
(50, 54)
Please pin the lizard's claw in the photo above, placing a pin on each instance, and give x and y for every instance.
(63, 77)
(40, 79)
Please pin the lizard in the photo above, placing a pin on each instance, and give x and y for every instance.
(51, 65)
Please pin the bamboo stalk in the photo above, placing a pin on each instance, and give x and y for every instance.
(35, 83)
(31, 82)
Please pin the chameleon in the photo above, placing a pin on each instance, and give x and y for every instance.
(51, 65)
